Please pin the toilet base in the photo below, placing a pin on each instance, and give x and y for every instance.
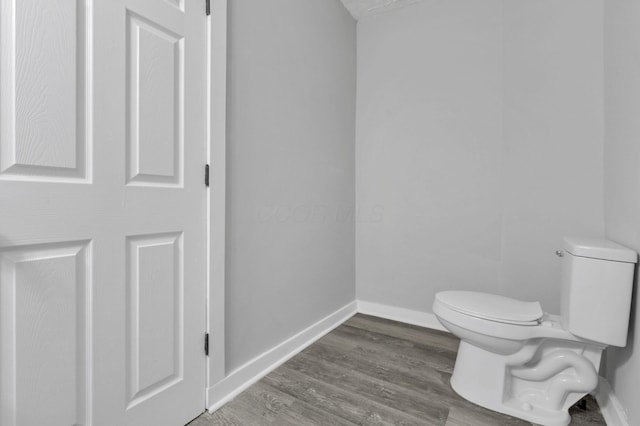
(487, 379)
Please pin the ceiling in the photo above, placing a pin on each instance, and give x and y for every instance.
(363, 8)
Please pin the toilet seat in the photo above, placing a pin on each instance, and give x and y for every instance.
(492, 307)
(549, 326)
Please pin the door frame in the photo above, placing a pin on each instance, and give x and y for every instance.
(216, 205)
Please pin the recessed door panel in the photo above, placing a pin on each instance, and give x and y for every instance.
(45, 334)
(43, 82)
(155, 314)
(155, 73)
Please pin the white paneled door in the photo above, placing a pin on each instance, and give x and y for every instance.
(102, 212)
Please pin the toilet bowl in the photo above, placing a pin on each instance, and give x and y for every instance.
(516, 359)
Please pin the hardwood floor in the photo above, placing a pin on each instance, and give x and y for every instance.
(368, 371)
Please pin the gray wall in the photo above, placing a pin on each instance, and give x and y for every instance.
(428, 151)
(553, 129)
(291, 113)
(479, 142)
(622, 176)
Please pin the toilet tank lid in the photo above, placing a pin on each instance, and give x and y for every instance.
(491, 306)
(599, 249)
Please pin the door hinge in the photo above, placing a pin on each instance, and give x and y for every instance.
(206, 174)
(206, 344)
(208, 7)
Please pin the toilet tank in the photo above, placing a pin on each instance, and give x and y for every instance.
(597, 283)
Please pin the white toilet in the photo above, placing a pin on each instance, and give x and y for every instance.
(518, 360)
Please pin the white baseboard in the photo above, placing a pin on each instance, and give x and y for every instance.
(408, 316)
(243, 377)
(254, 370)
(610, 406)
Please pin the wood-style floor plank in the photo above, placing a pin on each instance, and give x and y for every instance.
(434, 338)
(331, 398)
(368, 371)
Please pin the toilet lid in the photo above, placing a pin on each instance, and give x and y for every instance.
(491, 307)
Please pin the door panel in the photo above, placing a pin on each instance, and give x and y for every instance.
(44, 333)
(154, 317)
(102, 224)
(156, 95)
(42, 136)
